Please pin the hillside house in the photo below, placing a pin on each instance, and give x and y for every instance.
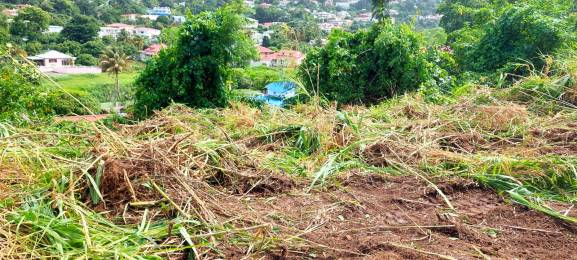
(151, 51)
(115, 29)
(282, 58)
(53, 59)
(287, 58)
(160, 11)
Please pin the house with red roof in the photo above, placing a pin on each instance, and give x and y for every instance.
(282, 58)
(151, 51)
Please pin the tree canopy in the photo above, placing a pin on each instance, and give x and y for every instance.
(81, 29)
(195, 70)
(369, 65)
(30, 23)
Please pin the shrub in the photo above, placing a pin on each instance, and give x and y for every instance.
(256, 77)
(520, 34)
(196, 69)
(21, 95)
(87, 60)
(369, 65)
(63, 103)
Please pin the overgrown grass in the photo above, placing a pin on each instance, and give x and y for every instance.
(100, 86)
(55, 199)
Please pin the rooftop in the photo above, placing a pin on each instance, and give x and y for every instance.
(51, 54)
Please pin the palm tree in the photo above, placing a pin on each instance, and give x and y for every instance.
(114, 61)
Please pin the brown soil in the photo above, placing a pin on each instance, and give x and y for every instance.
(561, 141)
(462, 142)
(388, 152)
(377, 217)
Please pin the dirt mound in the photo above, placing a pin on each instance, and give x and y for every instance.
(557, 135)
(462, 142)
(251, 182)
(387, 152)
(378, 217)
(558, 140)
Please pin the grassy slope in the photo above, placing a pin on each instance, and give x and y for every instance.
(87, 82)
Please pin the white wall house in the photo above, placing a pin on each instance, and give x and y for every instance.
(53, 59)
(147, 33)
(58, 62)
(54, 29)
(160, 11)
(115, 29)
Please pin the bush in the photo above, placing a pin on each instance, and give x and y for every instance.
(369, 65)
(62, 103)
(21, 95)
(86, 59)
(256, 77)
(196, 69)
(521, 34)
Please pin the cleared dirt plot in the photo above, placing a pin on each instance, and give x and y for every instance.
(402, 180)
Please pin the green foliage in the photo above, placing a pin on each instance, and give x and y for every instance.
(30, 23)
(435, 36)
(520, 34)
(4, 34)
(196, 69)
(369, 65)
(68, 103)
(81, 29)
(458, 14)
(257, 77)
(21, 94)
(86, 59)
(489, 36)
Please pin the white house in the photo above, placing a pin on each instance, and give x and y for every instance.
(58, 62)
(160, 11)
(148, 33)
(116, 28)
(179, 19)
(54, 29)
(53, 59)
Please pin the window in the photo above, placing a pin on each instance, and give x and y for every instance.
(52, 61)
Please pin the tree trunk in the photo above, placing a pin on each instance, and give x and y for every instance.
(117, 103)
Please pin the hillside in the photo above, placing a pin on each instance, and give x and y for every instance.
(288, 129)
(476, 177)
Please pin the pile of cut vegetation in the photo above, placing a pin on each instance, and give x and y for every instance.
(404, 179)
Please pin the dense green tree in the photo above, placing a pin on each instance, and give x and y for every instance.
(73, 48)
(163, 22)
(66, 7)
(94, 47)
(86, 60)
(30, 23)
(33, 47)
(81, 29)
(521, 34)
(21, 93)
(270, 14)
(196, 69)
(381, 9)
(266, 41)
(368, 65)
(306, 28)
(4, 33)
(458, 14)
